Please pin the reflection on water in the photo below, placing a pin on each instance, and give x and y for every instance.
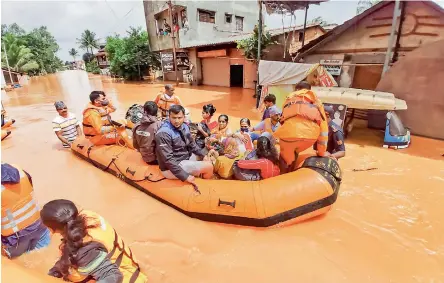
(385, 227)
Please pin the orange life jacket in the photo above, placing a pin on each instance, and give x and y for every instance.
(19, 207)
(165, 103)
(305, 104)
(118, 253)
(92, 124)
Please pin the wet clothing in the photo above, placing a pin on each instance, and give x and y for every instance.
(105, 258)
(21, 227)
(174, 145)
(144, 137)
(68, 127)
(97, 126)
(267, 168)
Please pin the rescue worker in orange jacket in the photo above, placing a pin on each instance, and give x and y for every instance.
(96, 120)
(165, 100)
(303, 123)
(91, 249)
(22, 229)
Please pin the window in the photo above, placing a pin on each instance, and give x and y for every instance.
(239, 23)
(228, 18)
(301, 36)
(206, 16)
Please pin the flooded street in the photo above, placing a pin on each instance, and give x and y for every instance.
(386, 226)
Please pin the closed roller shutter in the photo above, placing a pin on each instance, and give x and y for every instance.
(216, 71)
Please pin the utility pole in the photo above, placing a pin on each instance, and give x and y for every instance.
(173, 37)
(7, 63)
(259, 29)
(305, 25)
(388, 55)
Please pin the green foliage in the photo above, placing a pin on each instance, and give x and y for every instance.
(249, 45)
(88, 41)
(32, 52)
(93, 67)
(130, 57)
(20, 57)
(73, 53)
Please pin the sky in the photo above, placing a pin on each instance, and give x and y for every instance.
(66, 20)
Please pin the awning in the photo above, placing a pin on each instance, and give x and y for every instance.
(360, 98)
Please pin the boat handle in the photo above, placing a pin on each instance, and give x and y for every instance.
(232, 204)
(80, 146)
(129, 171)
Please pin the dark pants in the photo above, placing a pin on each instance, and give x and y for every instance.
(26, 240)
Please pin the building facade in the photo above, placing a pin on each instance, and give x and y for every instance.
(359, 46)
(196, 25)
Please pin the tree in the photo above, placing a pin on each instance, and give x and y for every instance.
(88, 41)
(249, 45)
(130, 57)
(20, 58)
(364, 5)
(320, 21)
(73, 53)
(32, 52)
(88, 57)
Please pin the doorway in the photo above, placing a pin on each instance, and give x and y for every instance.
(237, 75)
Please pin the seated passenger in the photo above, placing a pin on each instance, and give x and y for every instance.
(267, 162)
(97, 122)
(269, 102)
(175, 147)
(224, 163)
(207, 113)
(90, 249)
(165, 100)
(144, 133)
(244, 134)
(269, 125)
(335, 144)
(22, 228)
(222, 131)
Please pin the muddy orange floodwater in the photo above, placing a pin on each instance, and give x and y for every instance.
(386, 226)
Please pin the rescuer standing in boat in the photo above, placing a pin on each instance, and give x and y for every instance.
(22, 229)
(303, 123)
(97, 122)
(91, 249)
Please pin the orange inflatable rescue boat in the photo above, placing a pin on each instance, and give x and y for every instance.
(5, 134)
(305, 193)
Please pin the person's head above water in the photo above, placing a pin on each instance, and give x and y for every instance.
(61, 108)
(98, 98)
(169, 90)
(269, 100)
(222, 121)
(302, 85)
(62, 216)
(150, 108)
(208, 111)
(177, 115)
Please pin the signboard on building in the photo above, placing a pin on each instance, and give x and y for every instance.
(333, 66)
(167, 60)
